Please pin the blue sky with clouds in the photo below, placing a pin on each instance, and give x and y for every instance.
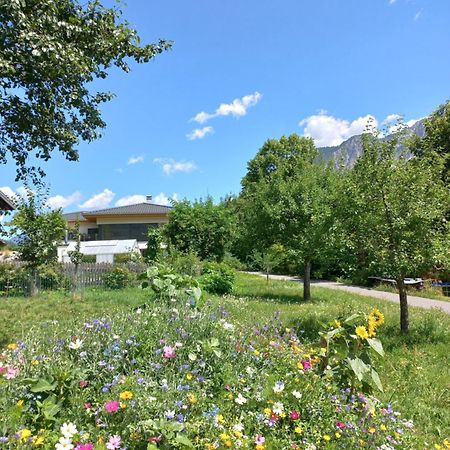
(243, 71)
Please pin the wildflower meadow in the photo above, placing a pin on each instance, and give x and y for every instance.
(179, 373)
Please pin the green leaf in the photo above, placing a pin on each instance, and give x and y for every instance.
(376, 379)
(43, 385)
(152, 447)
(359, 367)
(376, 345)
(183, 440)
(197, 293)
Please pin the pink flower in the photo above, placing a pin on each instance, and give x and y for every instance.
(169, 352)
(114, 442)
(340, 425)
(84, 447)
(83, 384)
(112, 406)
(87, 405)
(306, 364)
(11, 373)
(294, 415)
(259, 440)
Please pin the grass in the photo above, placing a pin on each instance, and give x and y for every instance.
(415, 370)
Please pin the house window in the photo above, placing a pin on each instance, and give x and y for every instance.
(124, 231)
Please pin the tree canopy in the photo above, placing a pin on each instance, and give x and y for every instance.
(50, 53)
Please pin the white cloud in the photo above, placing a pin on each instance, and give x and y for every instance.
(171, 166)
(417, 15)
(59, 201)
(162, 199)
(131, 200)
(391, 118)
(135, 160)
(101, 200)
(237, 108)
(199, 133)
(327, 130)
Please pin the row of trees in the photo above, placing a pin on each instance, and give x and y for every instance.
(386, 215)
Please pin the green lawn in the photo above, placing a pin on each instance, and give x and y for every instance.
(415, 371)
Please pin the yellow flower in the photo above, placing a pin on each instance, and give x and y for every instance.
(372, 430)
(237, 433)
(256, 352)
(12, 346)
(337, 323)
(34, 362)
(135, 436)
(267, 411)
(228, 444)
(192, 399)
(224, 436)
(338, 435)
(126, 395)
(220, 418)
(383, 427)
(371, 327)
(189, 376)
(24, 434)
(377, 316)
(260, 447)
(38, 440)
(19, 403)
(300, 365)
(123, 405)
(209, 446)
(362, 332)
(326, 437)
(298, 430)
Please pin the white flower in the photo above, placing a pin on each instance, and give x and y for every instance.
(75, 345)
(169, 414)
(279, 387)
(240, 400)
(227, 326)
(139, 311)
(278, 408)
(297, 394)
(250, 370)
(178, 345)
(64, 444)
(68, 430)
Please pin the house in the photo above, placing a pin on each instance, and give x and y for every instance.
(119, 223)
(6, 204)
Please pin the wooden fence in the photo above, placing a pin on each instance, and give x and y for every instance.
(16, 280)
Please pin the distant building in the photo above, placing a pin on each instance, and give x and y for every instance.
(6, 204)
(119, 223)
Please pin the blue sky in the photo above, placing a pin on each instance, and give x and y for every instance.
(243, 71)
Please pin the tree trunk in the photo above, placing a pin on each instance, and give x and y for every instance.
(33, 283)
(307, 281)
(404, 319)
(267, 276)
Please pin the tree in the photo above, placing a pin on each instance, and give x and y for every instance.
(269, 259)
(199, 227)
(395, 207)
(285, 199)
(437, 138)
(50, 53)
(38, 232)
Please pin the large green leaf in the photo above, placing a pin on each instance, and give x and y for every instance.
(359, 367)
(376, 345)
(376, 379)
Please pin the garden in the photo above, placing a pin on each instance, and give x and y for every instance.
(173, 366)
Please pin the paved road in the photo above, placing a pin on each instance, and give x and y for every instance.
(420, 302)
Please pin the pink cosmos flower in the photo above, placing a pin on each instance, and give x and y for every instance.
(169, 352)
(294, 415)
(84, 447)
(259, 440)
(112, 406)
(306, 364)
(11, 373)
(340, 425)
(114, 442)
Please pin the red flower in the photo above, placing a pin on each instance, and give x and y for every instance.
(294, 415)
(340, 425)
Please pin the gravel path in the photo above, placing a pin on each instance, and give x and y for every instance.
(420, 302)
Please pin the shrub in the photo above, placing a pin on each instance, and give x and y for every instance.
(185, 264)
(117, 278)
(217, 278)
(88, 259)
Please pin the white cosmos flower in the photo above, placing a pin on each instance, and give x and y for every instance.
(297, 394)
(76, 344)
(278, 408)
(240, 399)
(68, 430)
(64, 444)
